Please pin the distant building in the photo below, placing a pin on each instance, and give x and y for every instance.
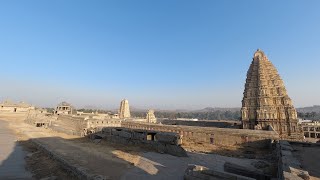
(311, 129)
(151, 118)
(9, 106)
(114, 116)
(64, 108)
(124, 111)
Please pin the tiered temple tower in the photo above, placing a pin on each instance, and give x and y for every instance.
(266, 103)
(124, 111)
(151, 118)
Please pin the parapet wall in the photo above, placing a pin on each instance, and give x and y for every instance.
(163, 142)
(13, 115)
(69, 124)
(202, 123)
(211, 135)
(96, 123)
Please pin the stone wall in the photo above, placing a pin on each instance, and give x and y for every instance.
(163, 142)
(39, 119)
(211, 135)
(207, 123)
(191, 135)
(195, 172)
(288, 166)
(94, 123)
(69, 124)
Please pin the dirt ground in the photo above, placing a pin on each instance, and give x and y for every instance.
(42, 166)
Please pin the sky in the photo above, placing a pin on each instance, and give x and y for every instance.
(168, 54)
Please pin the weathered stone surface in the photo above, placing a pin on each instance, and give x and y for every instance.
(287, 148)
(286, 153)
(166, 138)
(265, 101)
(245, 171)
(289, 167)
(50, 178)
(211, 135)
(165, 142)
(195, 172)
(204, 123)
(284, 143)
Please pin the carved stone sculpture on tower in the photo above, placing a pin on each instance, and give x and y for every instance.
(124, 111)
(265, 101)
(151, 118)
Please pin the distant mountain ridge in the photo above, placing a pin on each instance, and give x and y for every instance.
(211, 109)
(315, 108)
(207, 109)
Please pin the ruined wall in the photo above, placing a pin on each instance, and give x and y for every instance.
(195, 172)
(39, 119)
(69, 124)
(211, 135)
(163, 142)
(94, 123)
(208, 123)
(289, 167)
(191, 135)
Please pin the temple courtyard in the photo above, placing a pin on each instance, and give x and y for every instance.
(99, 158)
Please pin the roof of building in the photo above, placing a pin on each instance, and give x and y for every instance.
(9, 103)
(64, 104)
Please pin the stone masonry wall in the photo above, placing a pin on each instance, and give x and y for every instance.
(210, 135)
(289, 167)
(163, 142)
(208, 123)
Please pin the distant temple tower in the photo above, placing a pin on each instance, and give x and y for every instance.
(151, 118)
(265, 101)
(124, 111)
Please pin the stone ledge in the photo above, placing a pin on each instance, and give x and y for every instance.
(76, 170)
(195, 172)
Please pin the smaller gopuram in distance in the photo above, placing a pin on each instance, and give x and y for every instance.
(151, 118)
(266, 104)
(124, 111)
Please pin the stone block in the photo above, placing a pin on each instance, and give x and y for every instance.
(195, 172)
(285, 147)
(289, 161)
(167, 138)
(285, 143)
(245, 171)
(286, 153)
(125, 134)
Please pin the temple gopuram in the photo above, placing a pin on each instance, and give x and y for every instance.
(266, 104)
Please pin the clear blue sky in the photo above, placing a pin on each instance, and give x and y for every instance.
(158, 54)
